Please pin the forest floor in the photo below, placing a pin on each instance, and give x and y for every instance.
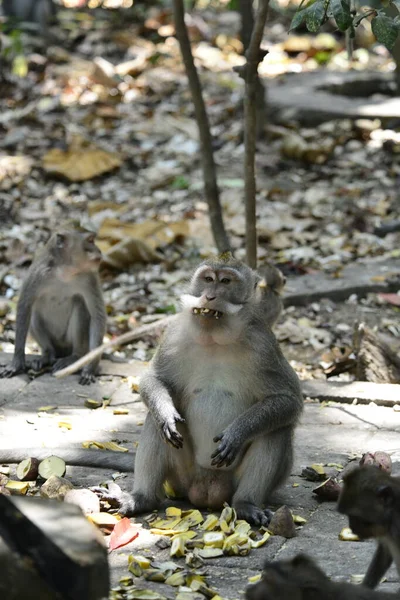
(99, 132)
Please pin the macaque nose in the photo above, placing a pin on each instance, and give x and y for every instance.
(209, 298)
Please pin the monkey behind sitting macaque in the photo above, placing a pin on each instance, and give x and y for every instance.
(38, 12)
(370, 498)
(62, 304)
(301, 579)
(223, 402)
(270, 288)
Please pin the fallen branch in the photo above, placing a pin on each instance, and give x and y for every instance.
(125, 338)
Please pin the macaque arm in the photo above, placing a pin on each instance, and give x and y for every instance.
(158, 400)
(100, 459)
(380, 563)
(272, 413)
(95, 306)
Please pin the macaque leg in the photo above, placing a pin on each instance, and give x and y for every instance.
(155, 463)
(380, 563)
(264, 467)
(211, 488)
(76, 335)
(43, 337)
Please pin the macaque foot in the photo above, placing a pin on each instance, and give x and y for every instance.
(12, 370)
(252, 514)
(41, 362)
(126, 504)
(63, 363)
(87, 377)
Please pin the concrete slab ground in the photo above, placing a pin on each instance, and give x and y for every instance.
(328, 433)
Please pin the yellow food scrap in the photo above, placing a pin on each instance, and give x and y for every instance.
(173, 511)
(142, 561)
(154, 575)
(209, 552)
(103, 519)
(191, 518)
(177, 547)
(65, 424)
(346, 535)
(46, 408)
(121, 411)
(133, 382)
(166, 523)
(105, 446)
(185, 535)
(168, 490)
(210, 523)
(254, 578)
(242, 527)
(176, 579)
(318, 468)
(260, 542)
(299, 520)
(17, 488)
(295, 485)
(214, 539)
(90, 403)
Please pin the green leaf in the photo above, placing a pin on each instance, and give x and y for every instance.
(385, 30)
(298, 19)
(341, 12)
(315, 15)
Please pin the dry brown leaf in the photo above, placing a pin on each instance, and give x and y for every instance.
(81, 162)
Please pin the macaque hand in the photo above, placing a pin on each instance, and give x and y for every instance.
(169, 431)
(227, 450)
(119, 500)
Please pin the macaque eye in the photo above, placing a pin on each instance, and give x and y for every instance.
(225, 280)
(208, 279)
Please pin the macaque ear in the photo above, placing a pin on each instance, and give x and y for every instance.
(60, 240)
(385, 493)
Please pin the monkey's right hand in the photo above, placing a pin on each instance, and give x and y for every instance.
(16, 367)
(169, 431)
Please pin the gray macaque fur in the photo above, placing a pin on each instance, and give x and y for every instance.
(223, 397)
(62, 305)
(301, 579)
(370, 498)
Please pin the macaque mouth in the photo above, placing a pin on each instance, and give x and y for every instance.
(207, 312)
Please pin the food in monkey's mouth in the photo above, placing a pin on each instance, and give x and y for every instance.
(208, 312)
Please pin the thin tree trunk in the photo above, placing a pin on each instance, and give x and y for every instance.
(209, 171)
(247, 25)
(254, 56)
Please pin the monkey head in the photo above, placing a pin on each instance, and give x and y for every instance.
(74, 253)
(369, 497)
(286, 579)
(220, 288)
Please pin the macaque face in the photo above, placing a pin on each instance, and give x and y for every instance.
(217, 291)
(76, 252)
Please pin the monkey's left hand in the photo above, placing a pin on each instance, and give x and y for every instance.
(227, 450)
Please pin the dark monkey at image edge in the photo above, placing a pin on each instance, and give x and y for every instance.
(223, 401)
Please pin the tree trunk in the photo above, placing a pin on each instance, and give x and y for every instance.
(254, 56)
(207, 156)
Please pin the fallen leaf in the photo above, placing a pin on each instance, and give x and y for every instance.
(393, 299)
(123, 533)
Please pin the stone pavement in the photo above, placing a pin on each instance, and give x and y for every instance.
(327, 434)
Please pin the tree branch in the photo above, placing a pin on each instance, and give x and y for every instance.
(209, 172)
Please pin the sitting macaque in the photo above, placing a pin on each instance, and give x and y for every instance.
(38, 12)
(270, 287)
(301, 579)
(371, 499)
(223, 401)
(62, 304)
